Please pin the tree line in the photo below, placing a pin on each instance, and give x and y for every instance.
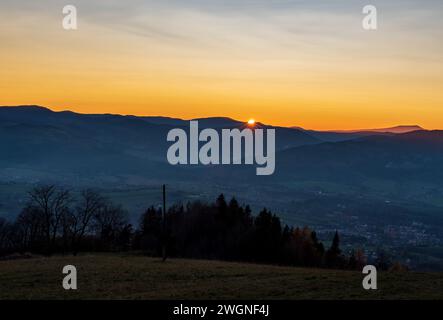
(54, 221)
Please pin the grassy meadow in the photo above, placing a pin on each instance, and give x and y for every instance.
(130, 276)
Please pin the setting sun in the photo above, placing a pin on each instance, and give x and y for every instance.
(251, 122)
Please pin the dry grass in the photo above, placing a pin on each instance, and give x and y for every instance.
(117, 276)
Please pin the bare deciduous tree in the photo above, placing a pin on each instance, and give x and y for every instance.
(53, 204)
(109, 221)
(81, 220)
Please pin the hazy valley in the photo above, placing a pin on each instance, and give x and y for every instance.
(380, 189)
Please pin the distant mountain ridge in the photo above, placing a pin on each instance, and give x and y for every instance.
(343, 135)
(39, 139)
(214, 122)
(63, 145)
(319, 177)
(396, 129)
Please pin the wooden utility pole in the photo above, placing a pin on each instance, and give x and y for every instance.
(164, 225)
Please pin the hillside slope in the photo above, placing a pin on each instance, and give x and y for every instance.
(138, 277)
(91, 149)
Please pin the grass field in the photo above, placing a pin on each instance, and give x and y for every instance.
(117, 276)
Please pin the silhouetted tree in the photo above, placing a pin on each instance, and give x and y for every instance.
(383, 261)
(151, 231)
(333, 255)
(109, 222)
(217, 230)
(360, 258)
(80, 221)
(352, 263)
(52, 204)
(6, 236)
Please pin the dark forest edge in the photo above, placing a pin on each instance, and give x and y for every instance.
(54, 221)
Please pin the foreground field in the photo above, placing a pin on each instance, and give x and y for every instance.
(138, 277)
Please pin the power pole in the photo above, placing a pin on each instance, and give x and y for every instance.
(164, 225)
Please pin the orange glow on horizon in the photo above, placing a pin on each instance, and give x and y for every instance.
(211, 64)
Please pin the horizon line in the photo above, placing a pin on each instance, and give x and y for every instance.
(337, 130)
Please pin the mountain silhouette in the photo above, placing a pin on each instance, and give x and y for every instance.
(378, 177)
(396, 129)
(65, 144)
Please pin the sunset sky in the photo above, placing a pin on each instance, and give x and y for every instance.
(301, 63)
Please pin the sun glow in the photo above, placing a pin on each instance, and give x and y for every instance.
(251, 122)
(267, 70)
